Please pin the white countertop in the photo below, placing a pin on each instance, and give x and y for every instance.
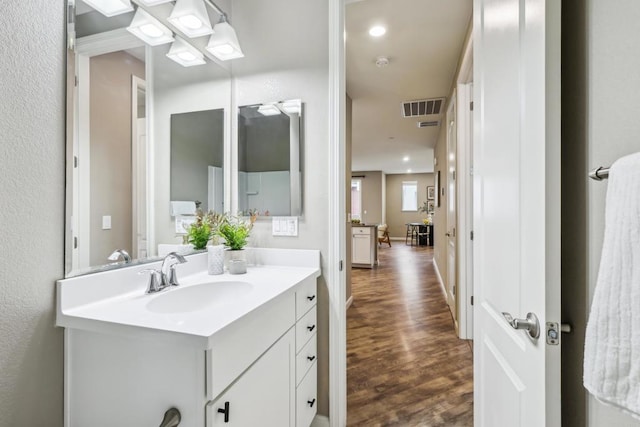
(116, 302)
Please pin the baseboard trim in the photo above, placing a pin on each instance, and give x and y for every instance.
(320, 421)
(349, 302)
(442, 287)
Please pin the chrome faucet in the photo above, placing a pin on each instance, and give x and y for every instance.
(120, 253)
(168, 269)
(166, 276)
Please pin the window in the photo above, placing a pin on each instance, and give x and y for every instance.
(409, 196)
(356, 199)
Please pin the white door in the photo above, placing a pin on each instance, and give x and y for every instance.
(452, 202)
(516, 210)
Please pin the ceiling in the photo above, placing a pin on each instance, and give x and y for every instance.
(423, 42)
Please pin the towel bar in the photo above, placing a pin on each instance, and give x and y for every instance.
(599, 173)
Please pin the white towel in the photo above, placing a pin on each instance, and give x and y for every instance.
(183, 208)
(612, 343)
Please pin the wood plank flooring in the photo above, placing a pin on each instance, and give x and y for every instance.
(405, 365)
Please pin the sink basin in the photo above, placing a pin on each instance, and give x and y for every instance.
(198, 297)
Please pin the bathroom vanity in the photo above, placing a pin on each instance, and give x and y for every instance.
(224, 350)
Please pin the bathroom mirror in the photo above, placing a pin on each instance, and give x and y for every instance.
(126, 104)
(269, 158)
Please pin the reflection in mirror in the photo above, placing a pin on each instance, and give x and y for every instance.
(269, 175)
(120, 146)
(197, 158)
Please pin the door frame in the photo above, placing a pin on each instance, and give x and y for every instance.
(451, 285)
(464, 181)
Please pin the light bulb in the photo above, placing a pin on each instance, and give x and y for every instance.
(186, 56)
(224, 49)
(190, 21)
(377, 31)
(151, 30)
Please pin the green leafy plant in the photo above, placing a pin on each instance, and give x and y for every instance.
(235, 233)
(204, 228)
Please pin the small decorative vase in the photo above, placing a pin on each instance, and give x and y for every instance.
(237, 262)
(215, 259)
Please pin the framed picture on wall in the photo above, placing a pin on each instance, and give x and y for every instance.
(431, 192)
(431, 206)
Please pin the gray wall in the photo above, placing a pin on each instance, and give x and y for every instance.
(197, 142)
(600, 124)
(32, 153)
(396, 219)
(371, 196)
(110, 130)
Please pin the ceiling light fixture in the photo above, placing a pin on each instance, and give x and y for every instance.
(405, 159)
(268, 110)
(110, 8)
(408, 170)
(185, 54)
(223, 44)
(190, 17)
(377, 31)
(149, 29)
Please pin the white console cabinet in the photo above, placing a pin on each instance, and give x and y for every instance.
(364, 245)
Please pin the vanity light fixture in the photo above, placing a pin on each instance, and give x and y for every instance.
(405, 159)
(185, 54)
(153, 2)
(190, 17)
(110, 8)
(149, 29)
(268, 110)
(223, 44)
(290, 107)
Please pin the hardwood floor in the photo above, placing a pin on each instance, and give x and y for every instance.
(405, 365)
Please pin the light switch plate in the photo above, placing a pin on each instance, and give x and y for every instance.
(106, 222)
(284, 226)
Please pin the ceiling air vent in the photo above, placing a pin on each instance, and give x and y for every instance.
(422, 107)
(429, 124)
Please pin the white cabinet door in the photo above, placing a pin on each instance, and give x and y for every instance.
(263, 395)
(361, 249)
(516, 210)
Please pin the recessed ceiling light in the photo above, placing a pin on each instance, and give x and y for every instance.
(382, 61)
(405, 159)
(408, 170)
(377, 31)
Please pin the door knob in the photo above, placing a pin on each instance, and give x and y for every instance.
(530, 324)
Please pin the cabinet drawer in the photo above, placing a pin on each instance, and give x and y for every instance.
(238, 345)
(306, 296)
(306, 358)
(305, 329)
(361, 230)
(307, 398)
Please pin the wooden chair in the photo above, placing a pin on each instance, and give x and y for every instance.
(383, 235)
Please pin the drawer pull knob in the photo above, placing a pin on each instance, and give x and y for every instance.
(311, 328)
(311, 358)
(311, 402)
(225, 411)
(311, 298)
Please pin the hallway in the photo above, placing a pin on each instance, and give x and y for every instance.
(405, 365)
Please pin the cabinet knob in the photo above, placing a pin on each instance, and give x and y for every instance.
(311, 358)
(311, 402)
(311, 298)
(311, 328)
(225, 411)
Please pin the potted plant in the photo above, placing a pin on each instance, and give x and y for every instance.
(235, 232)
(204, 228)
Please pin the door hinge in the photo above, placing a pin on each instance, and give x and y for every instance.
(75, 243)
(471, 106)
(471, 235)
(454, 289)
(75, 81)
(454, 232)
(75, 161)
(471, 299)
(340, 265)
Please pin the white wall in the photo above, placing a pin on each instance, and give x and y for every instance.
(32, 161)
